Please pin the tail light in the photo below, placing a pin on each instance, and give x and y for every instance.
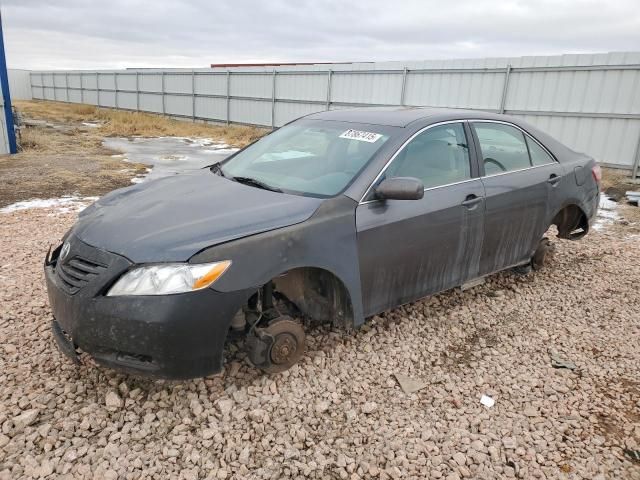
(597, 173)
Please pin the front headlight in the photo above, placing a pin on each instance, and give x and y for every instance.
(168, 278)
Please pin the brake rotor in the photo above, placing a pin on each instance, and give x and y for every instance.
(288, 344)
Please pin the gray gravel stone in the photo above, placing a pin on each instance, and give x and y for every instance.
(113, 400)
(340, 412)
(25, 419)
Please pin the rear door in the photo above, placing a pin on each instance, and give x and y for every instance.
(412, 248)
(520, 179)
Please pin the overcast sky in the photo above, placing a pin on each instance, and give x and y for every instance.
(46, 34)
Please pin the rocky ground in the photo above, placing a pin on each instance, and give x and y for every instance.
(340, 413)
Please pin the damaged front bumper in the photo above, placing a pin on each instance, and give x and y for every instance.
(176, 336)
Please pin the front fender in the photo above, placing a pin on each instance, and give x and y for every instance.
(327, 240)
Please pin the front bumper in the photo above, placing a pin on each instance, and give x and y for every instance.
(166, 336)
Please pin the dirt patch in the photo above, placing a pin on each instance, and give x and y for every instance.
(62, 160)
(615, 183)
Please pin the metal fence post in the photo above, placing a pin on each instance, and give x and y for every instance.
(228, 96)
(404, 85)
(193, 95)
(636, 161)
(81, 88)
(273, 99)
(505, 88)
(329, 75)
(115, 87)
(163, 106)
(98, 86)
(55, 95)
(66, 85)
(137, 91)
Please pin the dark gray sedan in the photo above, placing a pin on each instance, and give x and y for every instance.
(334, 217)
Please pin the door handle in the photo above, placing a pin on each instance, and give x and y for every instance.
(471, 200)
(554, 179)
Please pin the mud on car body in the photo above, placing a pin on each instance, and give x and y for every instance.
(334, 217)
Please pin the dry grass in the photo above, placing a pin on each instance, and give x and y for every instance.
(614, 178)
(55, 111)
(615, 183)
(33, 139)
(127, 124)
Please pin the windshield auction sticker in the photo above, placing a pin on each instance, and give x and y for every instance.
(360, 135)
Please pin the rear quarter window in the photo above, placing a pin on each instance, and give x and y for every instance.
(539, 156)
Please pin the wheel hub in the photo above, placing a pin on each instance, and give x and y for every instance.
(288, 344)
(283, 347)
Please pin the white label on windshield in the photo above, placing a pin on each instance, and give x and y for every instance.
(360, 135)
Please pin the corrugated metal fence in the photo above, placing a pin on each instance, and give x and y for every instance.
(590, 102)
(19, 84)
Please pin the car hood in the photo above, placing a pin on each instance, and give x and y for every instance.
(173, 218)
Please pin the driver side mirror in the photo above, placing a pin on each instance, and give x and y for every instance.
(400, 188)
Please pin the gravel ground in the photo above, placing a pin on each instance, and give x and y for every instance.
(340, 413)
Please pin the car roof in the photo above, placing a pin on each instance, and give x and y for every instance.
(400, 116)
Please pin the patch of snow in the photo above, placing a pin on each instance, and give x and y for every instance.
(199, 142)
(205, 143)
(69, 203)
(607, 213)
(141, 177)
(91, 124)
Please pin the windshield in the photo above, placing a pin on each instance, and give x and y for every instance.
(315, 158)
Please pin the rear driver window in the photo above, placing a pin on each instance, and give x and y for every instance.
(503, 147)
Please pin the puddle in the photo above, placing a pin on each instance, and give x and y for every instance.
(607, 213)
(66, 204)
(169, 155)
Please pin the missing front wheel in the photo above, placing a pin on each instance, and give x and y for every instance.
(278, 346)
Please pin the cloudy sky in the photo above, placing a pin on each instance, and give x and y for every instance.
(44, 34)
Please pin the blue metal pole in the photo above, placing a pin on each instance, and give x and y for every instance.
(4, 83)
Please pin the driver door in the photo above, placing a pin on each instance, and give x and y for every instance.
(412, 248)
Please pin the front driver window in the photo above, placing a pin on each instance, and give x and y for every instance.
(438, 156)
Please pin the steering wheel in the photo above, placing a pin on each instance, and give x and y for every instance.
(496, 163)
